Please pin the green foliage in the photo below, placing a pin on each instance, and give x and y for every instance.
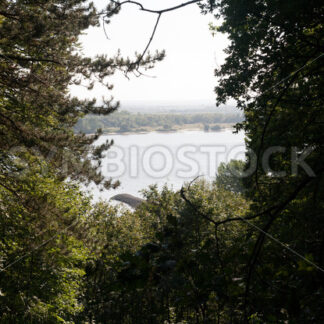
(50, 232)
(200, 255)
(40, 60)
(43, 214)
(274, 70)
(181, 271)
(42, 264)
(230, 176)
(125, 121)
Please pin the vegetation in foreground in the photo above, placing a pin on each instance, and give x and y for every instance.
(233, 251)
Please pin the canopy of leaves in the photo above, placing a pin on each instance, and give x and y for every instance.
(274, 70)
(40, 59)
(43, 214)
(210, 253)
(182, 268)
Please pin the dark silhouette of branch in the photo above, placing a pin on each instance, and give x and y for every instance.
(287, 86)
(28, 59)
(273, 212)
(182, 193)
(104, 28)
(150, 40)
(263, 233)
(227, 220)
(9, 15)
(266, 125)
(158, 12)
(10, 190)
(11, 122)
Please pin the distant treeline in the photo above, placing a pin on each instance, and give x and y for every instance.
(125, 121)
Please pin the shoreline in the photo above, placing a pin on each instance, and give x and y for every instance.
(173, 130)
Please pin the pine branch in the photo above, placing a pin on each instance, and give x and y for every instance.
(28, 59)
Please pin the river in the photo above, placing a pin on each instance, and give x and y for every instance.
(140, 160)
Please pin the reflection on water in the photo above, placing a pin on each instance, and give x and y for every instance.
(139, 160)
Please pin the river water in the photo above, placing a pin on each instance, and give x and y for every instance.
(140, 160)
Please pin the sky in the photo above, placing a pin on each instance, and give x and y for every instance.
(192, 53)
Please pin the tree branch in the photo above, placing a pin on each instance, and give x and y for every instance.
(150, 40)
(266, 125)
(292, 78)
(182, 193)
(28, 59)
(262, 236)
(227, 220)
(158, 12)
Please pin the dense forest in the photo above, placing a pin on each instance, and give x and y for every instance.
(127, 122)
(246, 248)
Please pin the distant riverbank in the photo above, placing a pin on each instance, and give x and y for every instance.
(129, 123)
(174, 129)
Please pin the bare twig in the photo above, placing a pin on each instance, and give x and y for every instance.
(150, 40)
(104, 28)
(158, 12)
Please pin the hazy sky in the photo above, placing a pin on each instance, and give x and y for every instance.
(187, 72)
